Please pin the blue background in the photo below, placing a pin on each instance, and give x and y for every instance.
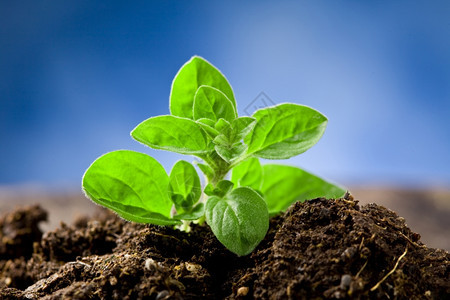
(77, 76)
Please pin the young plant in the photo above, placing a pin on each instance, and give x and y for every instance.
(204, 123)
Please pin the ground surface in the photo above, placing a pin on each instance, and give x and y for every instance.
(318, 249)
(427, 211)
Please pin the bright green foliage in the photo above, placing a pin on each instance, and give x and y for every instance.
(204, 123)
(211, 103)
(209, 128)
(282, 185)
(132, 184)
(195, 73)
(228, 143)
(241, 127)
(207, 170)
(195, 213)
(174, 134)
(239, 219)
(248, 173)
(184, 188)
(222, 188)
(285, 130)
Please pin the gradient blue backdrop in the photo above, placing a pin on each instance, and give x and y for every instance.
(77, 76)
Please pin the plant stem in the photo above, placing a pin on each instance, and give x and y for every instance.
(219, 166)
(186, 226)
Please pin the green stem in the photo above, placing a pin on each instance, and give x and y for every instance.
(202, 220)
(219, 166)
(186, 226)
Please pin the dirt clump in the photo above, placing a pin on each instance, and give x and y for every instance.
(318, 249)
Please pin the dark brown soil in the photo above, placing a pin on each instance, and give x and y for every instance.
(317, 249)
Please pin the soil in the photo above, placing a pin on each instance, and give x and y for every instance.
(333, 249)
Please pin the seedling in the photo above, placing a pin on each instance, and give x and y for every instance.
(204, 123)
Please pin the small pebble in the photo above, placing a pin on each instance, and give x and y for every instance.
(242, 291)
(192, 267)
(348, 254)
(365, 252)
(162, 295)
(345, 282)
(150, 264)
(8, 281)
(113, 281)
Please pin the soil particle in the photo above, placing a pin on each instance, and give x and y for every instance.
(319, 249)
(19, 230)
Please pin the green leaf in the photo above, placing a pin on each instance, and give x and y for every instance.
(207, 170)
(285, 130)
(184, 182)
(242, 126)
(195, 73)
(232, 134)
(212, 104)
(222, 125)
(208, 126)
(196, 213)
(229, 154)
(209, 190)
(228, 143)
(283, 185)
(239, 220)
(206, 121)
(221, 140)
(174, 134)
(248, 173)
(132, 184)
(223, 187)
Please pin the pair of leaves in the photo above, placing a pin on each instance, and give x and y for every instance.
(282, 185)
(222, 188)
(210, 103)
(228, 142)
(200, 96)
(239, 219)
(193, 74)
(138, 188)
(185, 191)
(132, 184)
(202, 100)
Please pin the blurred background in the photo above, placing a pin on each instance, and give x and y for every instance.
(77, 76)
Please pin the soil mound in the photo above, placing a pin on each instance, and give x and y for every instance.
(318, 249)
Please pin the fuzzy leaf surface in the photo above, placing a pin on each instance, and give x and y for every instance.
(229, 154)
(239, 220)
(222, 125)
(242, 126)
(223, 187)
(208, 127)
